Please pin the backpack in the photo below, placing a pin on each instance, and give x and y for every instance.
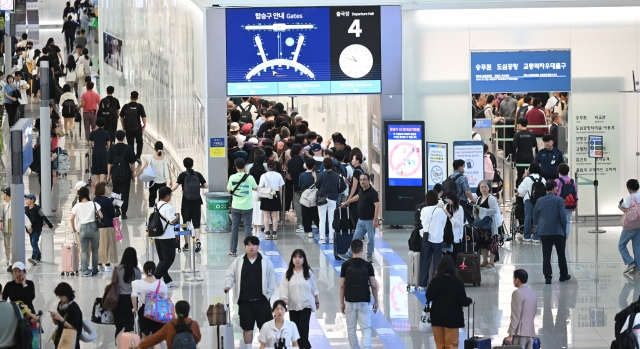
(246, 116)
(69, 108)
(357, 276)
(35, 164)
(131, 119)
(24, 336)
(106, 112)
(155, 227)
(538, 190)
(568, 193)
(316, 167)
(450, 183)
(480, 113)
(626, 340)
(191, 186)
(184, 339)
(342, 185)
(119, 168)
(522, 112)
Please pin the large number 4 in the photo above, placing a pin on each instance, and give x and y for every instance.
(354, 28)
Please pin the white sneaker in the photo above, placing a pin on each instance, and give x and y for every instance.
(630, 267)
(300, 229)
(536, 242)
(330, 241)
(322, 241)
(171, 285)
(310, 235)
(108, 269)
(526, 240)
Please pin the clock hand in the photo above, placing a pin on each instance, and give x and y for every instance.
(354, 59)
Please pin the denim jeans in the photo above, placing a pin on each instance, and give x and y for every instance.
(323, 211)
(34, 238)
(569, 213)
(362, 228)
(89, 232)
(633, 236)
(528, 220)
(429, 256)
(358, 313)
(236, 215)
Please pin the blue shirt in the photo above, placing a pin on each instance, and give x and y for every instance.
(9, 90)
(549, 216)
(549, 161)
(305, 178)
(462, 185)
(335, 164)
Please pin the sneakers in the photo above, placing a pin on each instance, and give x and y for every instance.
(330, 241)
(629, 268)
(322, 241)
(344, 257)
(310, 235)
(198, 246)
(547, 281)
(232, 254)
(300, 229)
(185, 248)
(108, 269)
(537, 242)
(369, 258)
(267, 235)
(274, 236)
(527, 240)
(9, 270)
(171, 285)
(565, 278)
(33, 261)
(95, 272)
(87, 274)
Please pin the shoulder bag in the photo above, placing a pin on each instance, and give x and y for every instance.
(425, 235)
(308, 196)
(99, 220)
(111, 293)
(157, 307)
(266, 192)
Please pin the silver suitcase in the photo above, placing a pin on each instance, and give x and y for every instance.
(413, 269)
(222, 335)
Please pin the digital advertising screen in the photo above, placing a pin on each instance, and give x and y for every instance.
(405, 155)
(303, 51)
(596, 148)
(113, 51)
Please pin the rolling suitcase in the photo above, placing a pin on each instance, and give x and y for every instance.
(88, 155)
(468, 262)
(413, 269)
(69, 258)
(64, 165)
(473, 341)
(343, 231)
(129, 339)
(223, 334)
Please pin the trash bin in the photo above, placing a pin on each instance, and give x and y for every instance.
(217, 212)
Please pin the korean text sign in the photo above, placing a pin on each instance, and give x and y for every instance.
(405, 149)
(521, 71)
(472, 152)
(436, 163)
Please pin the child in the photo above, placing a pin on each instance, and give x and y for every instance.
(37, 218)
(34, 323)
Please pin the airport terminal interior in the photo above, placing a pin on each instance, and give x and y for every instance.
(168, 51)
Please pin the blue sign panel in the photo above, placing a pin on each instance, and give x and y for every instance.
(405, 149)
(22, 141)
(522, 71)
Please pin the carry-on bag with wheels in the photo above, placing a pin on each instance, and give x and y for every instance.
(468, 261)
(413, 269)
(473, 341)
(223, 333)
(343, 231)
(69, 258)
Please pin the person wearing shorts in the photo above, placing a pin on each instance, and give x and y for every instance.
(254, 279)
(191, 210)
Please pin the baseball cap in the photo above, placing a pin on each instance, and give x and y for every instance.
(315, 147)
(30, 196)
(81, 184)
(7, 191)
(234, 127)
(18, 265)
(247, 128)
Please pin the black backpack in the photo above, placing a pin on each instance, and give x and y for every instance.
(119, 169)
(106, 112)
(626, 340)
(357, 276)
(538, 190)
(522, 112)
(450, 183)
(156, 227)
(24, 336)
(131, 119)
(568, 194)
(191, 186)
(184, 339)
(69, 108)
(342, 184)
(246, 116)
(480, 114)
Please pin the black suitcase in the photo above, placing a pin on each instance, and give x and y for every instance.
(473, 341)
(343, 228)
(468, 261)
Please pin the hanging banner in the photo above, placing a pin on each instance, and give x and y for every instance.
(437, 163)
(472, 152)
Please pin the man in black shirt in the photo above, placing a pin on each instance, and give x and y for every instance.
(113, 104)
(120, 169)
(130, 118)
(191, 182)
(69, 29)
(356, 276)
(44, 57)
(356, 161)
(368, 212)
(295, 167)
(523, 143)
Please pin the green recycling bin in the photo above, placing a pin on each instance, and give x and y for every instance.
(217, 212)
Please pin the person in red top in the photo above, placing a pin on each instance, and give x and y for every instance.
(536, 117)
(90, 101)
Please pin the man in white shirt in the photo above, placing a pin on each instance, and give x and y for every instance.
(23, 86)
(551, 103)
(165, 242)
(246, 106)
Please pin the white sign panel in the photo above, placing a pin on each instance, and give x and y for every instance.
(472, 152)
(437, 163)
(7, 5)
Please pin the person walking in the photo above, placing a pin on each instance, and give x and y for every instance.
(368, 213)
(159, 162)
(569, 195)
(525, 190)
(279, 333)
(356, 278)
(633, 235)
(111, 105)
(100, 142)
(241, 186)
(38, 219)
(487, 210)
(524, 305)
(108, 252)
(165, 242)
(299, 290)
(309, 214)
(89, 106)
(550, 219)
(447, 296)
(125, 273)
(120, 169)
(191, 182)
(140, 289)
(328, 185)
(69, 30)
(463, 189)
(256, 169)
(254, 279)
(433, 220)
(295, 167)
(68, 314)
(181, 323)
(131, 115)
(272, 205)
(87, 211)
(67, 109)
(19, 289)
(22, 86)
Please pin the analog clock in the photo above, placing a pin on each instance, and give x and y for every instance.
(356, 61)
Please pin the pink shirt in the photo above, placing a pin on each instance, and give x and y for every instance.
(91, 101)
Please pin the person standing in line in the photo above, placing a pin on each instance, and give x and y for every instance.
(447, 296)
(455, 215)
(22, 87)
(327, 183)
(254, 280)
(87, 210)
(165, 242)
(37, 219)
(272, 205)
(356, 277)
(300, 291)
(241, 186)
(563, 170)
(99, 141)
(11, 103)
(159, 162)
(463, 189)
(536, 117)
(120, 169)
(550, 220)
(131, 115)
(3, 83)
(549, 158)
(20, 289)
(487, 243)
(296, 168)
(524, 141)
(524, 305)
(256, 169)
(632, 235)
(108, 252)
(191, 182)
(525, 191)
(368, 213)
(309, 214)
(433, 220)
(140, 289)
(126, 272)
(89, 104)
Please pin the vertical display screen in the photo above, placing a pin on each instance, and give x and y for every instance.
(405, 155)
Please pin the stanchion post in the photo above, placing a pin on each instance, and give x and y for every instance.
(595, 189)
(192, 257)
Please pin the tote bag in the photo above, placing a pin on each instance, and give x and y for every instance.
(148, 174)
(157, 307)
(425, 320)
(117, 229)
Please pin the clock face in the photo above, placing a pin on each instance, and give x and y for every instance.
(356, 61)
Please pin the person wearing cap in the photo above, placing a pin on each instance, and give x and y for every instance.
(246, 129)
(37, 218)
(20, 289)
(315, 149)
(340, 143)
(549, 158)
(234, 130)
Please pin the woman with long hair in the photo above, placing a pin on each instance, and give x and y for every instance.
(279, 331)
(271, 205)
(455, 218)
(433, 221)
(108, 252)
(68, 117)
(140, 290)
(160, 162)
(258, 168)
(300, 291)
(180, 323)
(69, 72)
(86, 211)
(488, 238)
(447, 296)
(126, 272)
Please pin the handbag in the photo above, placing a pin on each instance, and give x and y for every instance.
(157, 307)
(78, 117)
(100, 315)
(117, 229)
(148, 174)
(484, 223)
(99, 220)
(308, 196)
(71, 76)
(321, 200)
(425, 235)
(111, 293)
(631, 219)
(68, 339)
(425, 320)
(217, 314)
(266, 192)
